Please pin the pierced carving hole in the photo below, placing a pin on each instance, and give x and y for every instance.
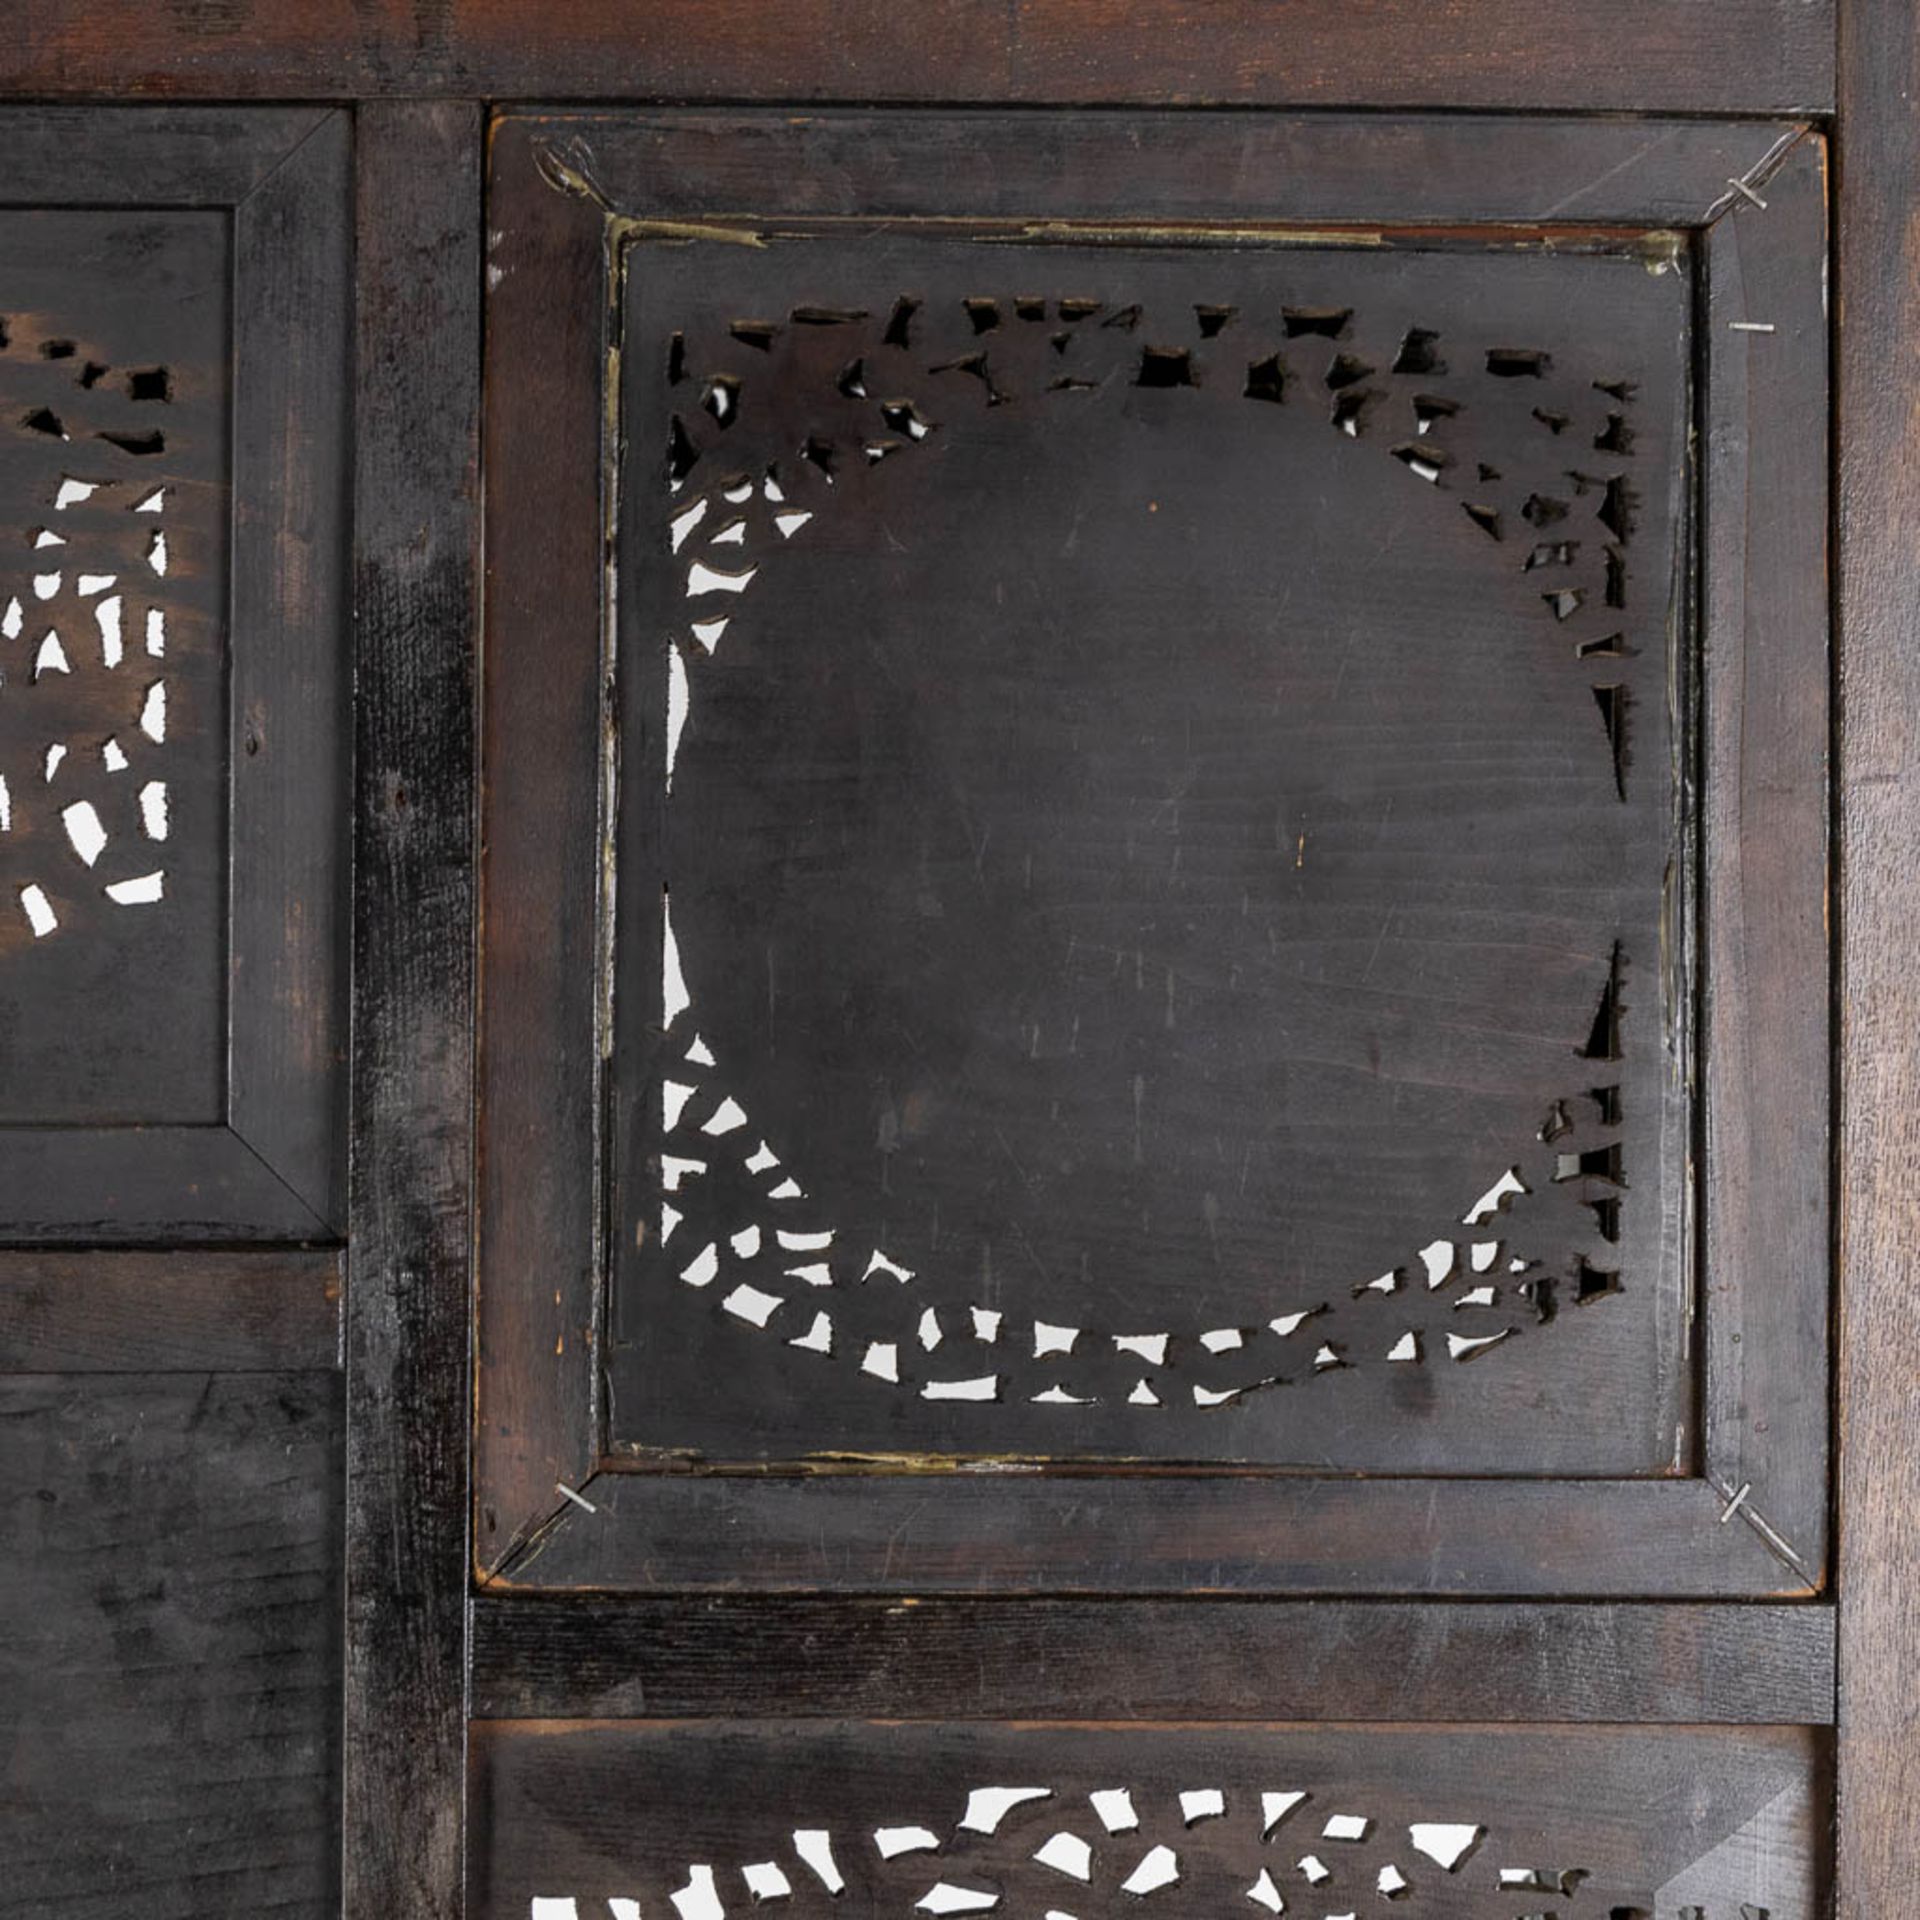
(1552, 553)
(853, 380)
(826, 316)
(1615, 437)
(146, 891)
(764, 1881)
(1165, 367)
(1067, 1853)
(1159, 1867)
(141, 444)
(44, 420)
(1592, 1163)
(1543, 510)
(1565, 602)
(984, 315)
(1429, 409)
(1613, 647)
(758, 334)
(1591, 1283)
(899, 331)
(1126, 319)
(1612, 702)
(721, 398)
(1603, 1043)
(1073, 311)
(1517, 363)
(1030, 306)
(1617, 508)
(1345, 370)
(1427, 462)
(1486, 518)
(57, 349)
(1213, 319)
(676, 358)
(1349, 410)
(1416, 353)
(902, 416)
(1329, 322)
(1267, 379)
(682, 454)
(150, 383)
(815, 1849)
(39, 911)
(1202, 1803)
(1448, 1846)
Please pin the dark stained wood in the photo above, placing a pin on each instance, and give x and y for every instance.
(169, 1609)
(1392, 170)
(540, 827)
(1013, 1532)
(183, 1084)
(540, 1207)
(1633, 1821)
(78, 156)
(1740, 55)
(144, 1313)
(1130, 925)
(418, 266)
(1767, 1223)
(292, 375)
(1878, 308)
(625, 1656)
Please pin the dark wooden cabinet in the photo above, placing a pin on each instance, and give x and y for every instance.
(957, 963)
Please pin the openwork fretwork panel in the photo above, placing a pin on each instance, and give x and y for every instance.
(113, 426)
(608, 1823)
(1151, 902)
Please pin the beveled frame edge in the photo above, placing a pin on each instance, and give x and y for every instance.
(1767, 1257)
(545, 1515)
(274, 1171)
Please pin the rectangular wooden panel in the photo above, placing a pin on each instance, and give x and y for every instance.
(605, 1656)
(1117, 698)
(113, 776)
(1169, 789)
(169, 1613)
(589, 1821)
(1738, 55)
(172, 757)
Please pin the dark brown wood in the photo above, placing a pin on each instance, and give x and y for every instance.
(1767, 1226)
(1878, 699)
(170, 1612)
(1741, 55)
(415, 490)
(178, 1054)
(151, 1313)
(622, 1656)
(1631, 1821)
(1112, 1533)
(292, 373)
(540, 825)
(539, 1192)
(1400, 169)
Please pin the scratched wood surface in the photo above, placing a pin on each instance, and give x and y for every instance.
(169, 1614)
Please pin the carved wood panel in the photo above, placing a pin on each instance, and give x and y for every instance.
(172, 393)
(1152, 903)
(1122, 846)
(606, 1822)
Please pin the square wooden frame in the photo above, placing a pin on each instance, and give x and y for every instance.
(274, 1170)
(1753, 1520)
